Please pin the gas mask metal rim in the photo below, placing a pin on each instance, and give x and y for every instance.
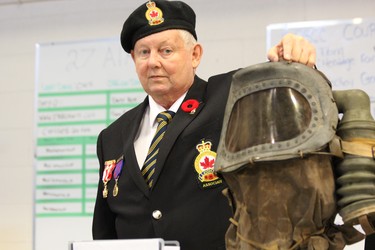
(311, 86)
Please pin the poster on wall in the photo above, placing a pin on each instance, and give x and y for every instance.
(81, 87)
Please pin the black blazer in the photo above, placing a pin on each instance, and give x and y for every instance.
(192, 213)
(370, 242)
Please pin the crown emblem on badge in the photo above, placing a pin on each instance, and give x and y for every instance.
(154, 15)
(204, 146)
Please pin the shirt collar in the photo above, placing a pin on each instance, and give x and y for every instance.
(155, 108)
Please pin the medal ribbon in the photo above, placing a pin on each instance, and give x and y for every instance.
(117, 173)
(107, 175)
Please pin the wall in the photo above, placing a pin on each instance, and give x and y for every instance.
(231, 31)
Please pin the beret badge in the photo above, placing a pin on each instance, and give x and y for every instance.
(153, 14)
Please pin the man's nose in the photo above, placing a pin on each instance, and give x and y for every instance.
(154, 59)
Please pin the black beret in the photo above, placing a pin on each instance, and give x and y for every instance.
(156, 16)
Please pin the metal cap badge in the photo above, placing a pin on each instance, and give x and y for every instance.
(154, 15)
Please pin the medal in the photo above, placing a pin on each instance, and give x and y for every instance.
(115, 189)
(107, 175)
(117, 173)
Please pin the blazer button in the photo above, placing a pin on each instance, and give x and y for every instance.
(157, 215)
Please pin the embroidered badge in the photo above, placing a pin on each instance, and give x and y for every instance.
(204, 165)
(107, 175)
(117, 173)
(153, 14)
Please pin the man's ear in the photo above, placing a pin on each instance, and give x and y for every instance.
(197, 55)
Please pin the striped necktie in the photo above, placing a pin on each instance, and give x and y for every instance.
(148, 168)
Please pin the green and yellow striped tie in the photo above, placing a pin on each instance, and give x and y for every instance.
(148, 168)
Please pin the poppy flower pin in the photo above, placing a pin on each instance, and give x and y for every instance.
(189, 106)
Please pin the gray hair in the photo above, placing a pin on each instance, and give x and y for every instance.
(188, 38)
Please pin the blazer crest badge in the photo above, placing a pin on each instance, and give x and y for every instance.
(204, 165)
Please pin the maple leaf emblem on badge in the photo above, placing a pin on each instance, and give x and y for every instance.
(207, 163)
(154, 14)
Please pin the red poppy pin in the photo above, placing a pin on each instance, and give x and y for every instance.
(189, 106)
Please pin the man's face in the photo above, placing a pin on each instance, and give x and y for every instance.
(165, 65)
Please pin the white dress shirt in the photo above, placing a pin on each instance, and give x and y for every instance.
(148, 126)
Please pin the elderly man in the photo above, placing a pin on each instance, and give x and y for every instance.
(169, 190)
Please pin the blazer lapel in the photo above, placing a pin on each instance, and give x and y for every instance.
(179, 122)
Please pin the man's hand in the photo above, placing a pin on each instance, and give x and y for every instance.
(293, 48)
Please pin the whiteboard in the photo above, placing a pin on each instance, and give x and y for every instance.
(81, 87)
(345, 54)
(345, 50)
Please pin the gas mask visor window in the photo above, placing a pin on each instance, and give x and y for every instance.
(267, 117)
(275, 111)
